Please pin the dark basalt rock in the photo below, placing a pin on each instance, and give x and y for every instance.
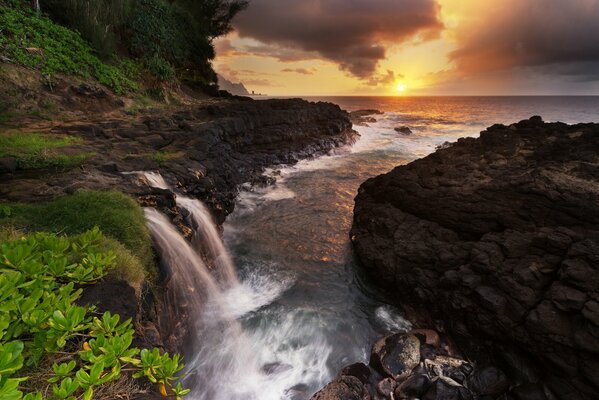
(395, 355)
(342, 388)
(397, 371)
(206, 152)
(404, 130)
(498, 237)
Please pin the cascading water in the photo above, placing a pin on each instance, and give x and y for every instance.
(223, 360)
(190, 283)
(206, 233)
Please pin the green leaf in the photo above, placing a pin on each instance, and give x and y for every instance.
(11, 359)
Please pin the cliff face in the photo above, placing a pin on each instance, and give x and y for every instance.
(205, 151)
(498, 237)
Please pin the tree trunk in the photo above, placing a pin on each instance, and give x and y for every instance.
(36, 5)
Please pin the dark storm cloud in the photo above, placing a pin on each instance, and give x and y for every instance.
(556, 36)
(352, 33)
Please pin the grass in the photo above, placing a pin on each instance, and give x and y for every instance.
(162, 157)
(35, 150)
(35, 41)
(117, 215)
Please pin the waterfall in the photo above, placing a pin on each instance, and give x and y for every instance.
(205, 233)
(188, 274)
(227, 359)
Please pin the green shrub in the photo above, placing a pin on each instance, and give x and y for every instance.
(36, 150)
(35, 41)
(40, 323)
(161, 68)
(116, 214)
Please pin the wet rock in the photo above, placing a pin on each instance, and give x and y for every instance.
(427, 336)
(395, 355)
(451, 367)
(414, 386)
(358, 370)
(404, 130)
(488, 381)
(342, 388)
(386, 387)
(446, 389)
(509, 257)
(275, 368)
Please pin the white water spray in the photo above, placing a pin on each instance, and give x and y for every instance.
(206, 233)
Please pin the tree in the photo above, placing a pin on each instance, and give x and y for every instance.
(214, 16)
(35, 4)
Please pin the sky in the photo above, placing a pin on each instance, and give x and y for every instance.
(414, 47)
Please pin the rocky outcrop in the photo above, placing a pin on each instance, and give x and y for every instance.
(498, 238)
(206, 151)
(415, 365)
(364, 117)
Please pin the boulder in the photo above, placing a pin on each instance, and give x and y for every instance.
(342, 388)
(395, 355)
(404, 130)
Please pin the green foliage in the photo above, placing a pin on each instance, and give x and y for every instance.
(35, 41)
(164, 33)
(117, 215)
(40, 279)
(35, 150)
(160, 68)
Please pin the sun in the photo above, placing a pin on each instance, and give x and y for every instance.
(400, 87)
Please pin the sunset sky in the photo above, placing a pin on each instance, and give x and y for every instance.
(414, 47)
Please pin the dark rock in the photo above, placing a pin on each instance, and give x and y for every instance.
(447, 389)
(529, 391)
(414, 386)
(109, 167)
(488, 381)
(451, 367)
(509, 256)
(395, 355)
(359, 370)
(427, 336)
(342, 388)
(404, 130)
(113, 295)
(275, 368)
(386, 387)
(8, 164)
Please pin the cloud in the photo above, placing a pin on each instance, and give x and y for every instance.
(354, 34)
(557, 36)
(302, 71)
(386, 79)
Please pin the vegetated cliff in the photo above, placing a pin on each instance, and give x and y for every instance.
(206, 151)
(498, 239)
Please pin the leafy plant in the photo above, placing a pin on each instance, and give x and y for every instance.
(39, 319)
(35, 41)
